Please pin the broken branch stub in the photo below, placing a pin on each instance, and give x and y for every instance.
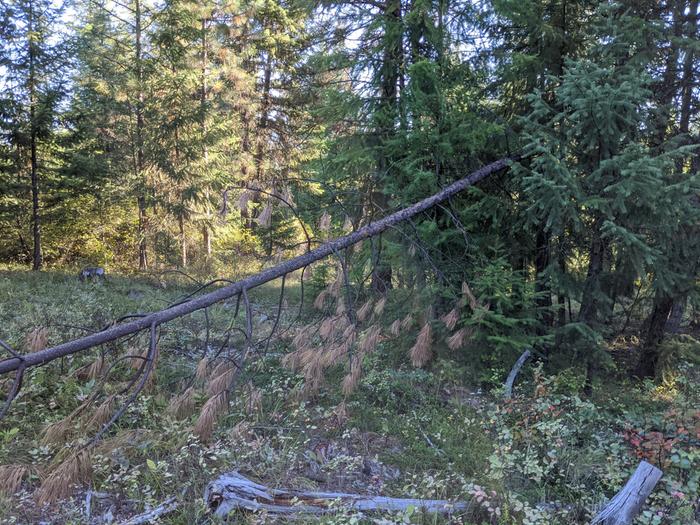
(232, 491)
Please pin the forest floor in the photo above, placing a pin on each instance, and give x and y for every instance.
(549, 456)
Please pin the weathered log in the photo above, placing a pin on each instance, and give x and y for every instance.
(232, 491)
(329, 248)
(626, 504)
(514, 373)
(168, 506)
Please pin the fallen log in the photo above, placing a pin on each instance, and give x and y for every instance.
(626, 504)
(329, 248)
(514, 373)
(232, 491)
(168, 506)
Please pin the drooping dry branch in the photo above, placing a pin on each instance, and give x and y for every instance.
(333, 246)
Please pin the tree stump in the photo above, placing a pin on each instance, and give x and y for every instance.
(627, 503)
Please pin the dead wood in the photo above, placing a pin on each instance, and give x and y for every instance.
(626, 504)
(232, 491)
(168, 506)
(514, 373)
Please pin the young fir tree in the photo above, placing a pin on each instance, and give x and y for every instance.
(593, 178)
(33, 61)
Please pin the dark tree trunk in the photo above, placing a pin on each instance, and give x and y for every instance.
(385, 123)
(673, 324)
(381, 272)
(143, 253)
(588, 313)
(37, 259)
(591, 288)
(543, 293)
(655, 325)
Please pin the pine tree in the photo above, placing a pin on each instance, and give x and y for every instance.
(34, 65)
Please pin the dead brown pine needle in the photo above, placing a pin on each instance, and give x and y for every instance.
(243, 200)
(324, 223)
(451, 318)
(220, 383)
(11, 477)
(56, 432)
(37, 339)
(265, 217)
(60, 483)
(182, 405)
(253, 399)
(102, 414)
(301, 340)
(351, 380)
(212, 409)
(379, 307)
(395, 328)
(369, 339)
(327, 327)
(422, 352)
(469, 296)
(91, 370)
(292, 360)
(364, 310)
(457, 339)
(335, 287)
(139, 357)
(320, 301)
(201, 371)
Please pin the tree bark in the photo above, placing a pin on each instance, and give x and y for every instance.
(655, 325)
(510, 381)
(664, 304)
(140, 175)
(543, 295)
(37, 259)
(589, 301)
(183, 241)
(206, 233)
(385, 128)
(673, 324)
(232, 491)
(626, 504)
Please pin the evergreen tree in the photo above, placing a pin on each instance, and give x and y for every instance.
(33, 61)
(592, 176)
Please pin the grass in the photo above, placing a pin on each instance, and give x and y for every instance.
(403, 432)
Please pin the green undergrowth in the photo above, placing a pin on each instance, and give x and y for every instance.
(548, 456)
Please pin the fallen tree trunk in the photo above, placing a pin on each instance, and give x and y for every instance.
(226, 292)
(232, 491)
(626, 504)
